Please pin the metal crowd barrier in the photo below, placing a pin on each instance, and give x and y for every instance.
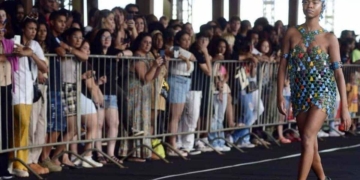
(110, 99)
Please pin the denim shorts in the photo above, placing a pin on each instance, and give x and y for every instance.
(287, 102)
(179, 87)
(56, 115)
(110, 102)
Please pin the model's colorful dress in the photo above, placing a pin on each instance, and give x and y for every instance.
(312, 79)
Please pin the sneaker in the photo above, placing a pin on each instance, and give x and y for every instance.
(321, 133)
(47, 163)
(246, 145)
(174, 154)
(336, 134)
(6, 175)
(192, 151)
(218, 148)
(225, 149)
(204, 149)
(87, 165)
(77, 162)
(230, 139)
(20, 173)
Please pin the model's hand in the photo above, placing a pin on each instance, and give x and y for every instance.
(281, 105)
(345, 118)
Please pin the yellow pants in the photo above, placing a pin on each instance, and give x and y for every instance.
(22, 115)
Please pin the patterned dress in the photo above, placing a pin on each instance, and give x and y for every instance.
(139, 112)
(312, 80)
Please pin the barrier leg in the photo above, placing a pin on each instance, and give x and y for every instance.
(256, 137)
(208, 144)
(173, 149)
(108, 157)
(272, 138)
(69, 152)
(27, 167)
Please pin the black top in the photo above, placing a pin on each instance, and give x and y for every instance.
(107, 67)
(199, 80)
(55, 80)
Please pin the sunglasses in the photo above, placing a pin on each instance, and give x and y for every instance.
(34, 17)
(133, 12)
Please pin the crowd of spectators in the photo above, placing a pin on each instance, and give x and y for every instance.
(128, 83)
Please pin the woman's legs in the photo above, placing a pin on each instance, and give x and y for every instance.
(90, 121)
(309, 124)
(176, 110)
(100, 125)
(280, 131)
(112, 122)
(230, 112)
(71, 132)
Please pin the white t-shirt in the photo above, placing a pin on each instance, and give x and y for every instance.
(180, 67)
(23, 81)
(68, 69)
(287, 91)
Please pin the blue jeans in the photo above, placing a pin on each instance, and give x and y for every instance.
(245, 117)
(218, 120)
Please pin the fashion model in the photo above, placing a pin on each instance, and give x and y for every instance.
(311, 56)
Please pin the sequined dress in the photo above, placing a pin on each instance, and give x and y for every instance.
(312, 80)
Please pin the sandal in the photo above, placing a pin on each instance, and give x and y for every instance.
(262, 141)
(101, 159)
(134, 159)
(284, 140)
(116, 160)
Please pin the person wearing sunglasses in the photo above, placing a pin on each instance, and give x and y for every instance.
(132, 9)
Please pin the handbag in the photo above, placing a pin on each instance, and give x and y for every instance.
(241, 75)
(37, 92)
(164, 89)
(251, 87)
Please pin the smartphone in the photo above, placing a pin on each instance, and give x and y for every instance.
(129, 17)
(17, 40)
(162, 53)
(176, 51)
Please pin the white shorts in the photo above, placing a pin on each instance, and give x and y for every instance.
(87, 105)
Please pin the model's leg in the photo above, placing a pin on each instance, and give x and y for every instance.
(309, 125)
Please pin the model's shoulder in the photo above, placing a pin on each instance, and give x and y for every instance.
(293, 29)
(330, 38)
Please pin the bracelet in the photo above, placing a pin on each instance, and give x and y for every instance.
(285, 56)
(336, 65)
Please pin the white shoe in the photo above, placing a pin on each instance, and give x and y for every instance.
(336, 134)
(225, 149)
(204, 149)
(218, 148)
(172, 153)
(77, 162)
(246, 145)
(20, 173)
(229, 139)
(192, 151)
(87, 165)
(321, 133)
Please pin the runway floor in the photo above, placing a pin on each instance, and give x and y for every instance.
(340, 157)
